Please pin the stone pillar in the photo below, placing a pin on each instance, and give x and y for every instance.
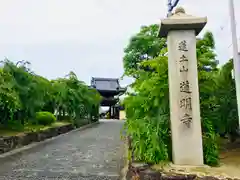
(181, 30)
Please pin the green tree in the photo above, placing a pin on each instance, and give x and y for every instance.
(226, 116)
(144, 45)
(9, 99)
(74, 98)
(24, 93)
(25, 84)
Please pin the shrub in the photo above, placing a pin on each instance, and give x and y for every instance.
(80, 122)
(45, 118)
(12, 125)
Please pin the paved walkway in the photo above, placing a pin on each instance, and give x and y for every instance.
(90, 154)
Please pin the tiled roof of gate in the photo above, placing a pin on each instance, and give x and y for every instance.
(107, 84)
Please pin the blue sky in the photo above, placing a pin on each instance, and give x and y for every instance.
(88, 36)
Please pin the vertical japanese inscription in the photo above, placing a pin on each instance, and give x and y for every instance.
(185, 103)
(187, 120)
(182, 46)
(183, 59)
(184, 87)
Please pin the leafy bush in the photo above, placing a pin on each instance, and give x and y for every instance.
(45, 118)
(12, 125)
(80, 122)
(210, 143)
(148, 114)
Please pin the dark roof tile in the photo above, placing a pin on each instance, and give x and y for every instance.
(107, 84)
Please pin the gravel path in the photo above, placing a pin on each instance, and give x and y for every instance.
(90, 154)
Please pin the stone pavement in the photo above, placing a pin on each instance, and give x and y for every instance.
(90, 154)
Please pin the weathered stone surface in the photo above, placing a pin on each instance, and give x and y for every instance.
(150, 175)
(140, 172)
(140, 166)
(178, 177)
(88, 154)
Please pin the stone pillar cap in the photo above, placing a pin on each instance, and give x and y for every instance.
(181, 21)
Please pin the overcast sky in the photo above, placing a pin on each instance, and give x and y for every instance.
(88, 36)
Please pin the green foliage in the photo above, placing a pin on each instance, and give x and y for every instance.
(74, 98)
(210, 144)
(225, 107)
(143, 46)
(148, 113)
(80, 122)
(23, 93)
(12, 125)
(45, 118)
(147, 110)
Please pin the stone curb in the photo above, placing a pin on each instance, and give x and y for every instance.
(18, 151)
(124, 174)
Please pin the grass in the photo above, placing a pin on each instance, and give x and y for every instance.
(30, 128)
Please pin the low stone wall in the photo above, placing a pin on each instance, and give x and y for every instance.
(12, 142)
